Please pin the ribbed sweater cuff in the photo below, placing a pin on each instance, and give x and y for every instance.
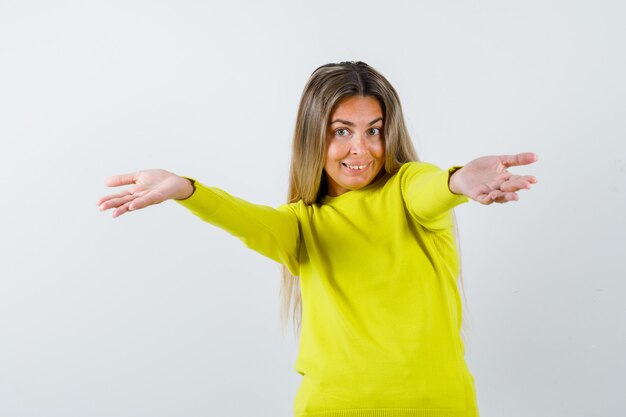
(456, 198)
(203, 199)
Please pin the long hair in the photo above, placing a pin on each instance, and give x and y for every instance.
(326, 88)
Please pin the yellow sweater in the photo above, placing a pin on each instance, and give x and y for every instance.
(378, 272)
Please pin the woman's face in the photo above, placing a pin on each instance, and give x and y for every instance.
(355, 149)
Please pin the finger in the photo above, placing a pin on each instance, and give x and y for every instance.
(515, 185)
(121, 210)
(112, 196)
(496, 194)
(144, 201)
(499, 180)
(518, 159)
(506, 197)
(530, 178)
(123, 179)
(485, 199)
(116, 202)
(519, 182)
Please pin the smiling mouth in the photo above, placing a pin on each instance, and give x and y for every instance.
(355, 167)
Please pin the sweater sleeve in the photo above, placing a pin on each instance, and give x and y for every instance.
(272, 232)
(427, 195)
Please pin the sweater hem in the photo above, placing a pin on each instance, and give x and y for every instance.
(390, 412)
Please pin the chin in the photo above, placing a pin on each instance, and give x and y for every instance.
(358, 185)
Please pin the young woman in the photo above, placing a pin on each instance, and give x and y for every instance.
(367, 243)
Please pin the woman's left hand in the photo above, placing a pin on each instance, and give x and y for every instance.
(487, 180)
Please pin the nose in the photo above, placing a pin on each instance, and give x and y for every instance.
(357, 144)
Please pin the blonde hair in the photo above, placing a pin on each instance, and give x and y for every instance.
(326, 88)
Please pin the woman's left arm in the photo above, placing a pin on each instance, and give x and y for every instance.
(487, 179)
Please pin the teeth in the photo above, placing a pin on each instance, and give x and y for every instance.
(356, 166)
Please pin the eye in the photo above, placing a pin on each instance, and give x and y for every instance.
(341, 132)
(374, 131)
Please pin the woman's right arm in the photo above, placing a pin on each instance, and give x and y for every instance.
(274, 233)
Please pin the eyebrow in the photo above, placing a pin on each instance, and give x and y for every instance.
(345, 122)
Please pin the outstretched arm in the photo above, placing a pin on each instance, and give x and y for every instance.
(272, 232)
(488, 180)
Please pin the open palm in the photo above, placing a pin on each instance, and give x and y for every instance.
(150, 187)
(487, 180)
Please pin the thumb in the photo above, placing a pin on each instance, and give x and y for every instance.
(123, 179)
(524, 158)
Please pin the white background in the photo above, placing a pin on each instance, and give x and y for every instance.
(156, 313)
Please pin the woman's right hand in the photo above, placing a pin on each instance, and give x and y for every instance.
(151, 187)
